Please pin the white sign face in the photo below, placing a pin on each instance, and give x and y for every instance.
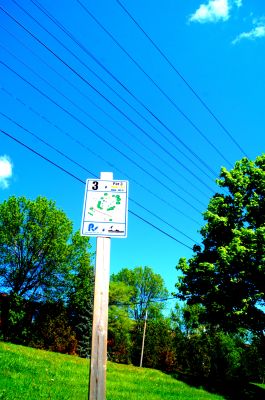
(105, 210)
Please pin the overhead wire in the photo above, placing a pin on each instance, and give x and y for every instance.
(135, 303)
(185, 116)
(99, 93)
(195, 93)
(99, 136)
(143, 187)
(42, 156)
(142, 143)
(89, 53)
(83, 182)
(109, 131)
(85, 169)
(47, 143)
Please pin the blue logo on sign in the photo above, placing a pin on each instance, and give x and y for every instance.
(92, 228)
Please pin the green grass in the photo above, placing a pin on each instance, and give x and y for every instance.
(34, 374)
(261, 385)
(132, 383)
(30, 374)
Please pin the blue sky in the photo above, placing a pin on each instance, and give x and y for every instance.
(98, 96)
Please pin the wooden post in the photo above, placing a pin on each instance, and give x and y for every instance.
(98, 362)
(142, 352)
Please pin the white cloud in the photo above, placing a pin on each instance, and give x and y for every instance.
(255, 33)
(214, 11)
(6, 169)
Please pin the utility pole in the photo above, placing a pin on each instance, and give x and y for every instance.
(142, 352)
(98, 362)
(105, 215)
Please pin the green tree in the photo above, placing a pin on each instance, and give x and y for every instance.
(191, 341)
(186, 318)
(159, 351)
(81, 293)
(15, 323)
(41, 260)
(253, 359)
(52, 330)
(34, 238)
(203, 352)
(147, 288)
(120, 325)
(226, 274)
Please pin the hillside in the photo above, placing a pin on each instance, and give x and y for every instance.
(30, 374)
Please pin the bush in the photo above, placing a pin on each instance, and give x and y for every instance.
(226, 356)
(254, 359)
(52, 330)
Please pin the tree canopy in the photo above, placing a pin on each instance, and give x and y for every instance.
(40, 256)
(226, 274)
(42, 260)
(132, 293)
(146, 287)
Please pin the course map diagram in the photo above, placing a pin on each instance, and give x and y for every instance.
(106, 207)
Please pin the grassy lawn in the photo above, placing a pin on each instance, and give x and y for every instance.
(29, 374)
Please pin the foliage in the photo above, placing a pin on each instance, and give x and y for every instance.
(119, 335)
(52, 330)
(208, 353)
(81, 293)
(227, 275)
(120, 325)
(15, 324)
(187, 318)
(43, 263)
(254, 359)
(147, 287)
(191, 344)
(159, 351)
(133, 292)
(216, 356)
(226, 352)
(34, 239)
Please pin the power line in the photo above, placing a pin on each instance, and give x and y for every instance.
(99, 93)
(109, 131)
(42, 156)
(83, 182)
(142, 143)
(58, 24)
(182, 78)
(100, 137)
(115, 303)
(149, 191)
(47, 144)
(91, 173)
(157, 86)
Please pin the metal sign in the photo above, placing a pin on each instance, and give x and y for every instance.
(105, 210)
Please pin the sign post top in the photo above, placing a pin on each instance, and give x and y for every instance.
(105, 210)
(106, 175)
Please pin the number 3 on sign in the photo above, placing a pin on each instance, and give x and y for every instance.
(95, 185)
